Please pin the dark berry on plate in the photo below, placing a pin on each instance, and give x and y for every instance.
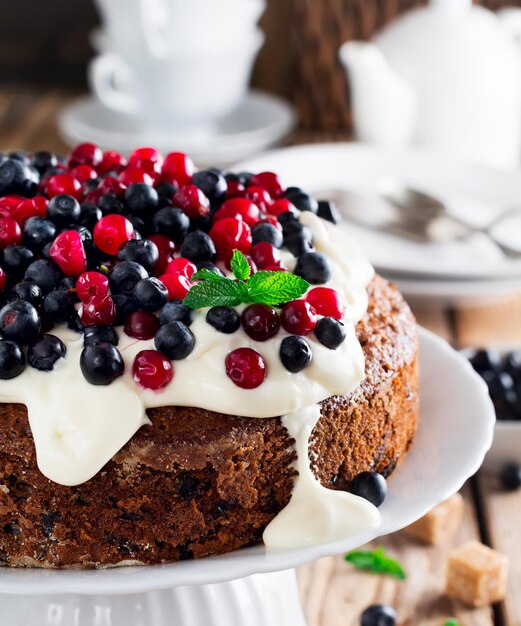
(260, 322)
(45, 351)
(511, 476)
(267, 233)
(141, 325)
(225, 319)
(371, 486)
(378, 615)
(211, 182)
(150, 294)
(328, 211)
(171, 222)
(46, 274)
(152, 370)
(100, 334)
(484, 360)
(75, 324)
(90, 214)
(498, 383)
(144, 252)
(111, 232)
(125, 275)
(63, 210)
(513, 365)
(125, 305)
(91, 285)
(211, 267)
(298, 317)
(141, 198)
(301, 200)
(16, 177)
(43, 161)
(289, 222)
(175, 340)
(175, 311)
(167, 190)
(330, 332)
(28, 291)
(20, 322)
(327, 301)
(110, 203)
(295, 354)
(313, 267)
(58, 306)
(101, 363)
(19, 155)
(198, 248)
(100, 310)
(38, 232)
(246, 368)
(16, 259)
(298, 244)
(12, 360)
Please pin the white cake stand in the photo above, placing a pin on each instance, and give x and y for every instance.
(252, 587)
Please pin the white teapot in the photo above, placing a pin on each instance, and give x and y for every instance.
(446, 77)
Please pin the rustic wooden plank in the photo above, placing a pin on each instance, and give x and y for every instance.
(500, 323)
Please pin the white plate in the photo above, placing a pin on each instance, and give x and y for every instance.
(474, 192)
(260, 122)
(456, 426)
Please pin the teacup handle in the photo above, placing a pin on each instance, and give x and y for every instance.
(102, 74)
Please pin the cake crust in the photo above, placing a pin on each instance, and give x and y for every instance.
(196, 482)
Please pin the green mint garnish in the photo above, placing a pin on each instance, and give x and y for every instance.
(451, 622)
(377, 562)
(269, 288)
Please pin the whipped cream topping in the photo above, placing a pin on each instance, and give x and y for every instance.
(78, 427)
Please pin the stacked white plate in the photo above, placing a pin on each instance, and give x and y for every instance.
(465, 272)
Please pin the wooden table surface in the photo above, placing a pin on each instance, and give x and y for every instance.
(333, 594)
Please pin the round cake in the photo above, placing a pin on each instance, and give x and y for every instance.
(189, 359)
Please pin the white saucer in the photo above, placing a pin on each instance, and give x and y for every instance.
(260, 122)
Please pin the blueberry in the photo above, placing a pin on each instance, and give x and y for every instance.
(16, 259)
(100, 334)
(225, 319)
(20, 322)
(45, 274)
(144, 252)
(63, 210)
(175, 340)
(371, 486)
(90, 185)
(330, 332)
(268, 233)
(198, 247)
(171, 222)
(141, 198)
(513, 365)
(110, 203)
(298, 244)
(292, 226)
(12, 360)
(511, 476)
(84, 233)
(498, 383)
(141, 227)
(379, 615)
(212, 183)
(42, 161)
(90, 214)
(101, 363)
(125, 305)
(211, 267)
(59, 306)
(295, 354)
(68, 283)
(75, 324)
(313, 267)
(175, 311)
(301, 200)
(150, 294)
(38, 232)
(245, 178)
(125, 275)
(328, 211)
(45, 351)
(30, 292)
(286, 219)
(167, 190)
(484, 360)
(16, 177)
(19, 155)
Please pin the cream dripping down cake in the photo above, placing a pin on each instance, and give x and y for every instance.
(191, 361)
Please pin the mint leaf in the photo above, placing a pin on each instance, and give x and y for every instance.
(273, 288)
(377, 562)
(240, 266)
(451, 622)
(214, 292)
(205, 274)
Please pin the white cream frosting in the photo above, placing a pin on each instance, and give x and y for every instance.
(78, 427)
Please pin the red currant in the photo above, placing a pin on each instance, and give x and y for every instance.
(181, 266)
(141, 325)
(270, 182)
(111, 232)
(265, 255)
(152, 370)
(68, 253)
(178, 285)
(178, 166)
(112, 185)
(245, 208)
(230, 234)
(246, 368)
(63, 183)
(146, 154)
(152, 168)
(112, 162)
(235, 188)
(85, 154)
(10, 232)
(272, 220)
(92, 285)
(83, 173)
(260, 322)
(192, 200)
(133, 175)
(3, 279)
(99, 311)
(259, 196)
(281, 206)
(327, 302)
(166, 249)
(298, 317)
(8, 205)
(30, 208)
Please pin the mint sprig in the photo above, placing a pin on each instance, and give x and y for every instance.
(377, 562)
(271, 288)
(451, 622)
